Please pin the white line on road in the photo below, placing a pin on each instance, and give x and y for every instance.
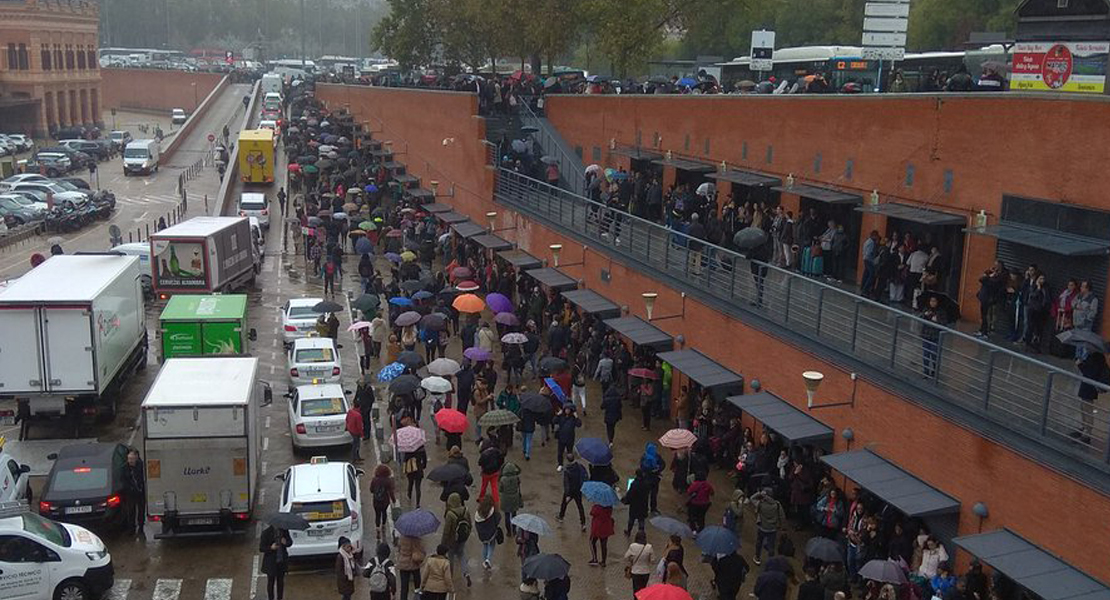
(267, 421)
(217, 589)
(273, 342)
(271, 369)
(264, 466)
(273, 355)
(167, 589)
(261, 499)
(255, 574)
(265, 444)
(119, 590)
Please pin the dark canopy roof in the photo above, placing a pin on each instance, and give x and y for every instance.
(491, 242)
(1031, 567)
(641, 333)
(405, 179)
(419, 193)
(468, 228)
(889, 482)
(451, 217)
(917, 214)
(552, 278)
(792, 424)
(436, 207)
(686, 164)
(749, 178)
(1045, 239)
(705, 371)
(592, 303)
(637, 153)
(393, 164)
(520, 259)
(821, 194)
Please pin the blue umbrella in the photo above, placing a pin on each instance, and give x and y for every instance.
(717, 540)
(417, 523)
(556, 389)
(671, 526)
(594, 451)
(370, 189)
(393, 257)
(422, 295)
(599, 492)
(688, 81)
(363, 246)
(391, 371)
(400, 301)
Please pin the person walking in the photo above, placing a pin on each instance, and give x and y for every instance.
(364, 396)
(379, 574)
(490, 462)
(355, 430)
(769, 519)
(527, 432)
(637, 500)
(410, 556)
(565, 425)
(456, 531)
(639, 562)
(729, 573)
(487, 525)
(274, 545)
(652, 465)
(578, 387)
(574, 475)
(414, 465)
(511, 499)
(699, 495)
(346, 569)
(602, 527)
(382, 493)
(436, 577)
(611, 405)
(134, 493)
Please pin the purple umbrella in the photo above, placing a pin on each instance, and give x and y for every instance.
(499, 303)
(408, 318)
(477, 354)
(393, 257)
(506, 318)
(417, 523)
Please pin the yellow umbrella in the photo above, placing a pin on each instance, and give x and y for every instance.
(408, 256)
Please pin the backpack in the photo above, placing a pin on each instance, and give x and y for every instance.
(380, 493)
(462, 531)
(378, 576)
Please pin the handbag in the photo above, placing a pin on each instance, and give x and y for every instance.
(628, 567)
(500, 537)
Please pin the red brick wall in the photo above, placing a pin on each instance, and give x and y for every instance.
(151, 89)
(1028, 145)
(1022, 495)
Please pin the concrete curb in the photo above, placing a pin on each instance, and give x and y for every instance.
(184, 131)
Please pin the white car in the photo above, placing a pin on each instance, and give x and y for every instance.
(40, 558)
(318, 416)
(314, 360)
(326, 494)
(298, 318)
(255, 204)
(259, 235)
(178, 116)
(14, 179)
(13, 478)
(22, 142)
(62, 196)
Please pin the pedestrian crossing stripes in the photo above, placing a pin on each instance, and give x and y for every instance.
(171, 589)
(147, 200)
(167, 589)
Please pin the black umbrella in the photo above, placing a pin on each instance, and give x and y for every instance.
(308, 159)
(288, 521)
(326, 306)
(434, 322)
(404, 384)
(535, 403)
(824, 550)
(447, 472)
(948, 307)
(546, 567)
(749, 237)
(529, 129)
(552, 364)
(410, 359)
(411, 285)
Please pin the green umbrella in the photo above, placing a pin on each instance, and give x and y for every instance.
(498, 418)
(367, 226)
(367, 302)
(310, 169)
(369, 315)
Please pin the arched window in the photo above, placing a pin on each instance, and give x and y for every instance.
(69, 57)
(81, 60)
(46, 58)
(24, 58)
(92, 61)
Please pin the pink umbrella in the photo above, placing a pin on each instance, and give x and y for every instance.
(359, 325)
(506, 318)
(678, 439)
(410, 439)
(467, 286)
(461, 273)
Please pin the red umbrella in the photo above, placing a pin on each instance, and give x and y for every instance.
(643, 373)
(663, 591)
(467, 286)
(451, 420)
(461, 273)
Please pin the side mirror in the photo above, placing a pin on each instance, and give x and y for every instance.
(252, 335)
(348, 392)
(24, 469)
(279, 477)
(360, 472)
(267, 393)
(52, 456)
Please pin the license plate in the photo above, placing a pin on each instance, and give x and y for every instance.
(201, 521)
(318, 532)
(73, 510)
(328, 428)
(7, 419)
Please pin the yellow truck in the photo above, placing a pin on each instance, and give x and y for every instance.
(256, 156)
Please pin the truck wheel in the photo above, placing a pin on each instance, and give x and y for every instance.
(71, 589)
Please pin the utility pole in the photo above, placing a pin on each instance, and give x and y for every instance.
(303, 34)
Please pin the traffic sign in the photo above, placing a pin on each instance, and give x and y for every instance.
(763, 50)
(211, 137)
(883, 53)
(885, 24)
(884, 39)
(886, 9)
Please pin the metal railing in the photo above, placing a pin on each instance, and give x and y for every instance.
(1031, 398)
(571, 169)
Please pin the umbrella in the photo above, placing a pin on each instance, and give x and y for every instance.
(288, 521)
(411, 286)
(824, 550)
(687, 81)
(444, 367)
(315, 222)
(529, 129)
(451, 420)
(364, 246)
(545, 567)
(393, 257)
(514, 337)
(507, 318)
(326, 306)
(532, 524)
(671, 526)
(394, 233)
(549, 160)
(477, 354)
(359, 325)
(410, 359)
(404, 384)
(519, 146)
(468, 303)
(594, 451)
(884, 571)
(407, 318)
(749, 237)
(400, 301)
(499, 303)
(436, 384)
(417, 523)
(600, 492)
(663, 591)
(461, 273)
(447, 472)
(310, 169)
(408, 256)
(706, 189)
(642, 373)
(468, 286)
(409, 439)
(1083, 337)
(433, 321)
(556, 389)
(677, 439)
(535, 403)
(390, 372)
(350, 206)
(370, 189)
(368, 226)
(422, 295)
(498, 418)
(717, 540)
(367, 302)
(552, 364)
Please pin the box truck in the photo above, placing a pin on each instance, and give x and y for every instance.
(72, 332)
(203, 255)
(205, 325)
(256, 156)
(272, 83)
(201, 444)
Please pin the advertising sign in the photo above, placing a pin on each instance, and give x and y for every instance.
(1060, 67)
(179, 264)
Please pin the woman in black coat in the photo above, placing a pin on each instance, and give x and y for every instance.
(273, 545)
(611, 405)
(637, 501)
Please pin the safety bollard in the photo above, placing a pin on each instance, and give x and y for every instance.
(129, 240)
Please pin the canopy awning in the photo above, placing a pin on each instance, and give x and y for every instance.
(821, 194)
(491, 242)
(421, 194)
(641, 333)
(748, 178)
(467, 229)
(406, 179)
(520, 259)
(636, 153)
(775, 413)
(592, 303)
(917, 214)
(552, 278)
(436, 207)
(1032, 567)
(890, 483)
(1051, 240)
(393, 164)
(703, 370)
(686, 164)
(451, 217)
(381, 152)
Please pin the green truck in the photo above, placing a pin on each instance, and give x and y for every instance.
(204, 325)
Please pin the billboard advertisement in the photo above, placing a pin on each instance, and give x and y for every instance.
(1060, 67)
(179, 264)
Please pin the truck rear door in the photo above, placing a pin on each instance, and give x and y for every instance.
(222, 337)
(67, 338)
(20, 351)
(198, 478)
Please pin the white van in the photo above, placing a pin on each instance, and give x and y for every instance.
(141, 156)
(142, 250)
(272, 83)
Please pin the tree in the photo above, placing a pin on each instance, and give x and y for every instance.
(551, 27)
(409, 34)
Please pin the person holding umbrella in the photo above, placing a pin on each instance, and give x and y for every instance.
(729, 573)
(652, 466)
(611, 405)
(274, 544)
(511, 499)
(602, 527)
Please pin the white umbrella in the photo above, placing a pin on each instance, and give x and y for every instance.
(444, 367)
(594, 168)
(436, 385)
(706, 189)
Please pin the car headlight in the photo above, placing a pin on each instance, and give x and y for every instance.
(97, 555)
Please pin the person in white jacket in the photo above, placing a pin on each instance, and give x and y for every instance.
(931, 556)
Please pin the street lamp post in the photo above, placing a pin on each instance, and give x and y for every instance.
(196, 104)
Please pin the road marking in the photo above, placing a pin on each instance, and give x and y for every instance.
(271, 369)
(167, 589)
(273, 354)
(273, 342)
(267, 421)
(264, 466)
(119, 590)
(217, 589)
(255, 574)
(261, 499)
(265, 445)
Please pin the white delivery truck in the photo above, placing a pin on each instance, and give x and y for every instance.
(203, 255)
(272, 83)
(201, 444)
(72, 331)
(141, 156)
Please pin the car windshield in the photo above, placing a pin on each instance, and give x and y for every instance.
(322, 407)
(252, 204)
(46, 529)
(327, 510)
(302, 312)
(20, 200)
(315, 355)
(80, 479)
(135, 153)
(67, 186)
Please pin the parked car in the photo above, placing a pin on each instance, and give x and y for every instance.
(7, 147)
(44, 559)
(24, 143)
(50, 164)
(78, 158)
(76, 182)
(31, 201)
(85, 484)
(15, 211)
(120, 138)
(179, 117)
(90, 147)
(69, 133)
(62, 195)
(14, 179)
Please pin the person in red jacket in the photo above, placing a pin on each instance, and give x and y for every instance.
(601, 529)
(355, 429)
